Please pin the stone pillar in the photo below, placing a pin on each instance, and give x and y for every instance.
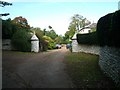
(74, 43)
(34, 44)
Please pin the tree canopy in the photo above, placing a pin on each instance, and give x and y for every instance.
(77, 22)
(22, 22)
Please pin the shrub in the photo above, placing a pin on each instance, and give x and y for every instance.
(103, 29)
(108, 29)
(21, 41)
(51, 43)
(8, 29)
(89, 38)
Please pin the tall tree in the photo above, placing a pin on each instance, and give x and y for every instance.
(78, 21)
(22, 22)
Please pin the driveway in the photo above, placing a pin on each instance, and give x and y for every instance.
(40, 70)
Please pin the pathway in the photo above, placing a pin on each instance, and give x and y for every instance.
(42, 70)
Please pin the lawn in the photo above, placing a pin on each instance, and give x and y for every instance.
(85, 72)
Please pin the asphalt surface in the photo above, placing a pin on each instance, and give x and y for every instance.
(40, 70)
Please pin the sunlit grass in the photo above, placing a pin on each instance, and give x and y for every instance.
(85, 71)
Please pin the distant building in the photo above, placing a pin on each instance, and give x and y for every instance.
(87, 29)
(119, 5)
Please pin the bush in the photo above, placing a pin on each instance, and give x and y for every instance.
(51, 43)
(104, 28)
(89, 38)
(108, 29)
(8, 29)
(21, 41)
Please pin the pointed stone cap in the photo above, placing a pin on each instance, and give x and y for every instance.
(34, 38)
(74, 37)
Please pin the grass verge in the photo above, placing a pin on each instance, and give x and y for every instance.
(85, 72)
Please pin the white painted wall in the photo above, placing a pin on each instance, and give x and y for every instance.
(84, 48)
(34, 44)
(86, 30)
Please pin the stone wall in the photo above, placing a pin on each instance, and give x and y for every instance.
(85, 48)
(6, 44)
(109, 62)
(109, 58)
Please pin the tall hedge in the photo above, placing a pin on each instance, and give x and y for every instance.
(21, 41)
(108, 29)
(89, 38)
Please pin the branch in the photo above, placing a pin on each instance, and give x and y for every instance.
(2, 3)
(4, 14)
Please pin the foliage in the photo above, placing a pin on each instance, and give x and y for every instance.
(38, 32)
(59, 40)
(108, 29)
(89, 38)
(51, 43)
(50, 27)
(43, 44)
(52, 34)
(22, 22)
(2, 4)
(78, 22)
(8, 29)
(93, 29)
(21, 41)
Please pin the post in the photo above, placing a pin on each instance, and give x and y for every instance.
(34, 44)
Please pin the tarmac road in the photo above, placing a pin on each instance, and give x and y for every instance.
(41, 70)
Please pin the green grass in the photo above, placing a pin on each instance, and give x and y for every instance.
(85, 71)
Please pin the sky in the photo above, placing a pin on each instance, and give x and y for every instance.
(58, 13)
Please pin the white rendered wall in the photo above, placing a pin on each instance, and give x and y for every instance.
(34, 44)
(85, 48)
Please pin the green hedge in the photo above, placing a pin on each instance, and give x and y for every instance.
(21, 41)
(107, 33)
(108, 29)
(89, 38)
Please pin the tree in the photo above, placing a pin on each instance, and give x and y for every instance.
(44, 30)
(59, 39)
(78, 21)
(8, 28)
(50, 27)
(51, 43)
(2, 4)
(22, 22)
(51, 33)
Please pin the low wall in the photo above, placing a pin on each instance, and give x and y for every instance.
(109, 58)
(85, 48)
(109, 62)
(6, 44)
